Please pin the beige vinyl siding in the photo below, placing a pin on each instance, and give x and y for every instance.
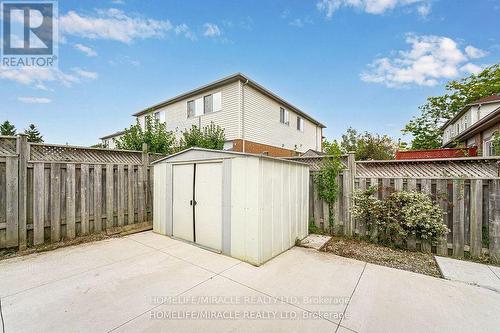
(262, 124)
(176, 119)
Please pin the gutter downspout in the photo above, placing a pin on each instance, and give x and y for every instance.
(243, 114)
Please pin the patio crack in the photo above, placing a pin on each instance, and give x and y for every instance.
(1, 316)
(350, 298)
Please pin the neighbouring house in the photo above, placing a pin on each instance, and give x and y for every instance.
(107, 141)
(474, 126)
(255, 119)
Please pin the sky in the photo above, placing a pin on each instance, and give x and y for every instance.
(366, 64)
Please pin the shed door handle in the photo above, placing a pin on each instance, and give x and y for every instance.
(192, 202)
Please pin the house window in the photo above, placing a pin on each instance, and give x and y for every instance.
(208, 104)
(284, 116)
(191, 109)
(488, 148)
(300, 124)
(156, 116)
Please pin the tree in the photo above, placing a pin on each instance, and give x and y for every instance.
(210, 137)
(155, 134)
(426, 128)
(326, 178)
(6, 128)
(368, 146)
(33, 134)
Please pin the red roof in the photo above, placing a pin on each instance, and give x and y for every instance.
(492, 98)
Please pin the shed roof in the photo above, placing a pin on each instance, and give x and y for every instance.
(229, 154)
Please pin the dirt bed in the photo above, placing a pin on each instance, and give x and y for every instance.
(417, 262)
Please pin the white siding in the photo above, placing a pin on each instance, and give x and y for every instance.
(262, 124)
(176, 114)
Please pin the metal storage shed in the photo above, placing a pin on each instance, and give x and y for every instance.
(251, 207)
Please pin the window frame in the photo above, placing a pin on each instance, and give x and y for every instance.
(193, 114)
(211, 96)
(284, 116)
(300, 124)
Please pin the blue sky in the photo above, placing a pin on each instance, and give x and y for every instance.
(368, 64)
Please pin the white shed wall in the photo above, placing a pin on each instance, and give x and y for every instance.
(160, 199)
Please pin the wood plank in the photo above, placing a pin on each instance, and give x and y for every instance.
(84, 199)
(70, 201)
(97, 198)
(23, 152)
(11, 198)
(360, 225)
(494, 221)
(412, 184)
(426, 187)
(476, 217)
(398, 184)
(141, 194)
(109, 196)
(130, 195)
(55, 201)
(458, 218)
(121, 195)
(386, 187)
(38, 202)
(374, 230)
(442, 199)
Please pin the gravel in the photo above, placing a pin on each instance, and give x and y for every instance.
(417, 262)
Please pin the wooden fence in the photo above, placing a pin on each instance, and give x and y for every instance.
(467, 189)
(50, 193)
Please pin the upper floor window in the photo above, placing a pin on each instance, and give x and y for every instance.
(208, 104)
(300, 124)
(204, 105)
(284, 116)
(190, 109)
(156, 115)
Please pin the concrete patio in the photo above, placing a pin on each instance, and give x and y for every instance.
(148, 282)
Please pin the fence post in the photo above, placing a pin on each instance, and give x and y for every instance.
(494, 221)
(23, 153)
(349, 176)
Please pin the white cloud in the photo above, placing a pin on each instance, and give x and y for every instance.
(300, 23)
(211, 30)
(429, 59)
(118, 2)
(475, 53)
(112, 24)
(424, 10)
(183, 29)
(328, 7)
(34, 100)
(85, 49)
(472, 68)
(38, 77)
(85, 74)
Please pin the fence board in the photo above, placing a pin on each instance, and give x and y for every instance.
(442, 199)
(121, 195)
(109, 196)
(141, 194)
(23, 153)
(458, 218)
(97, 198)
(130, 194)
(38, 202)
(70, 201)
(494, 220)
(11, 197)
(55, 199)
(476, 217)
(84, 199)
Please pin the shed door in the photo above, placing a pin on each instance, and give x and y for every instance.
(197, 203)
(208, 210)
(182, 209)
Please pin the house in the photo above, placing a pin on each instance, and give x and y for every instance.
(107, 141)
(474, 125)
(255, 119)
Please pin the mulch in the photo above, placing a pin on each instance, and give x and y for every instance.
(417, 262)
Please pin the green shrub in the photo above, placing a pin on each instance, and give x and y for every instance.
(400, 216)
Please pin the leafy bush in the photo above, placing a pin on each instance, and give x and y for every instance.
(400, 216)
(210, 137)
